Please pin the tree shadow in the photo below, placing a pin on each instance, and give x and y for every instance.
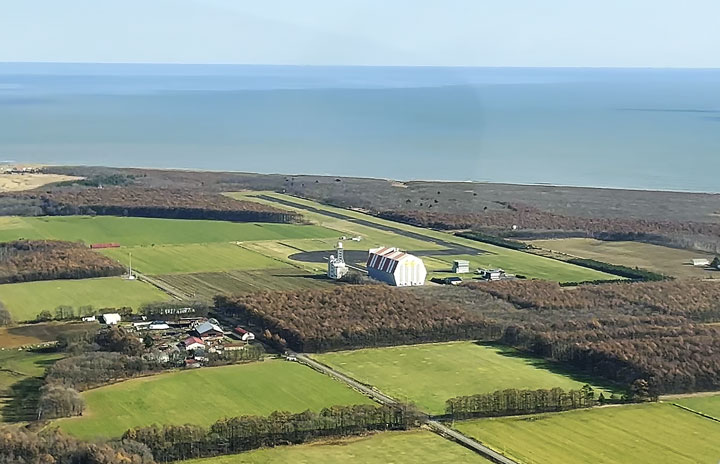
(23, 400)
(557, 368)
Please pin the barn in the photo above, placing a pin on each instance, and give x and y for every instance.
(395, 267)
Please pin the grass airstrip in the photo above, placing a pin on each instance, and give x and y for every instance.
(203, 396)
(382, 448)
(656, 433)
(430, 374)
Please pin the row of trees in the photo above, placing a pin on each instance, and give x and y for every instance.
(516, 402)
(351, 317)
(21, 446)
(616, 269)
(66, 312)
(31, 260)
(172, 442)
(148, 202)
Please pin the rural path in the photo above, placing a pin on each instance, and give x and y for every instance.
(450, 247)
(382, 398)
(169, 289)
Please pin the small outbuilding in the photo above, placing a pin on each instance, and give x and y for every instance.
(111, 318)
(701, 262)
(461, 266)
(158, 325)
(244, 334)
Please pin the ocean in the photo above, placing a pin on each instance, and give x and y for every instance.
(624, 128)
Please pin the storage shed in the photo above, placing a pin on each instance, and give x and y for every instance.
(395, 267)
(461, 266)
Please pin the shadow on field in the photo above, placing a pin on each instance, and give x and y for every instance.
(555, 367)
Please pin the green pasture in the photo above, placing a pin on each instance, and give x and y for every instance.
(203, 396)
(382, 448)
(430, 374)
(132, 231)
(26, 300)
(709, 405)
(194, 257)
(21, 375)
(649, 433)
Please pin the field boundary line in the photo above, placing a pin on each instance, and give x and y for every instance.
(698, 413)
(164, 286)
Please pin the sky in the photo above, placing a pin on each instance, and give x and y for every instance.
(574, 33)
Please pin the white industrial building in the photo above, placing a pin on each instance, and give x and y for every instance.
(395, 267)
(336, 265)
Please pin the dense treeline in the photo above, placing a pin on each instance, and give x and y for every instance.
(520, 220)
(616, 269)
(143, 202)
(31, 260)
(493, 240)
(21, 446)
(512, 402)
(351, 317)
(176, 442)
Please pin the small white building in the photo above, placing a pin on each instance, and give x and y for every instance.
(701, 262)
(244, 334)
(461, 266)
(491, 274)
(89, 319)
(337, 268)
(111, 318)
(158, 325)
(395, 267)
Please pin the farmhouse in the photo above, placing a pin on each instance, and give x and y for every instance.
(193, 343)
(244, 334)
(395, 267)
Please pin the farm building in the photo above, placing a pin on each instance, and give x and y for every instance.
(244, 334)
(158, 325)
(111, 318)
(395, 267)
(461, 266)
(193, 343)
(491, 274)
(234, 346)
(208, 329)
(701, 262)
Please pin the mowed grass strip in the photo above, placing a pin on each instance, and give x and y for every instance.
(203, 396)
(208, 257)
(26, 300)
(432, 373)
(131, 231)
(709, 405)
(382, 448)
(208, 284)
(650, 433)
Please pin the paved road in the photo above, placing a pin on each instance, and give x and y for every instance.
(382, 398)
(452, 248)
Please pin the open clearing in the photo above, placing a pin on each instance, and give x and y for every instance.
(665, 260)
(382, 448)
(33, 334)
(132, 231)
(26, 300)
(709, 405)
(206, 285)
(203, 396)
(175, 259)
(657, 433)
(20, 377)
(432, 373)
(20, 182)
(512, 261)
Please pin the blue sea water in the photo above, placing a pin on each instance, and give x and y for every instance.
(630, 128)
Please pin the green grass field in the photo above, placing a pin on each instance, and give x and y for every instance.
(382, 448)
(20, 378)
(208, 257)
(665, 260)
(132, 231)
(206, 285)
(709, 405)
(205, 395)
(650, 433)
(26, 300)
(516, 262)
(432, 373)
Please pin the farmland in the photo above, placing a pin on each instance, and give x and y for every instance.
(27, 300)
(381, 448)
(658, 433)
(709, 405)
(430, 374)
(176, 259)
(669, 261)
(20, 373)
(258, 388)
(32, 334)
(205, 285)
(133, 231)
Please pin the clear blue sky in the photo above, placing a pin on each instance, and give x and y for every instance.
(623, 33)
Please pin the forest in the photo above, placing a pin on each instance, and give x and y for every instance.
(232, 435)
(351, 317)
(141, 202)
(30, 260)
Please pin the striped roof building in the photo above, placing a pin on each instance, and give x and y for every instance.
(395, 267)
